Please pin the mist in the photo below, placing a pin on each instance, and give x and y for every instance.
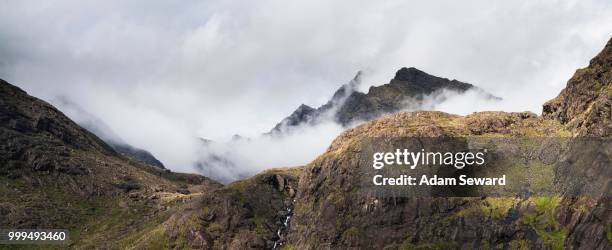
(236, 159)
(296, 145)
(162, 74)
(453, 102)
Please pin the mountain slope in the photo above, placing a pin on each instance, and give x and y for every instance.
(585, 103)
(55, 174)
(334, 210)
(99, 128)
(137, 154)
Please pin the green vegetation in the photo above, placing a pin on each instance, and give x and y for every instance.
(287, 247)
(535, 175)
(150, 227)
(495, 207)
(542, 220)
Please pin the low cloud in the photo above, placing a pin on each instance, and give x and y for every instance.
(297, 145)
(235, 159)
(162, 73)
(453, 102)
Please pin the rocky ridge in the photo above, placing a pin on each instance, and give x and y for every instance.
(348, 105)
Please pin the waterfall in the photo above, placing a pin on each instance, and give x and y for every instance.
(284, 227)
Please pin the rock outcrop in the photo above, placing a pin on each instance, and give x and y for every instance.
(584, 105)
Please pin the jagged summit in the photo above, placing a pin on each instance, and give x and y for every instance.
(302, 110)
(409, 74)
(303, 114)
(348, 105)
(427, 83)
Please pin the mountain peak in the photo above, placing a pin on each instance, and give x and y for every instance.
(303, 107)
(303, 113)
(350, 105)
(409, 74)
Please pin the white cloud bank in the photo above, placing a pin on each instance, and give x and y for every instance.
(161, 73)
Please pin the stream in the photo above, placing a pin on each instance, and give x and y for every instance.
(284, 227)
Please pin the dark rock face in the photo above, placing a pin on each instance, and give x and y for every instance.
(303, 114)
(348, 105)
(418, 81)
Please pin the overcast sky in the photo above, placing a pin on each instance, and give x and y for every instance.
(160, 73)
